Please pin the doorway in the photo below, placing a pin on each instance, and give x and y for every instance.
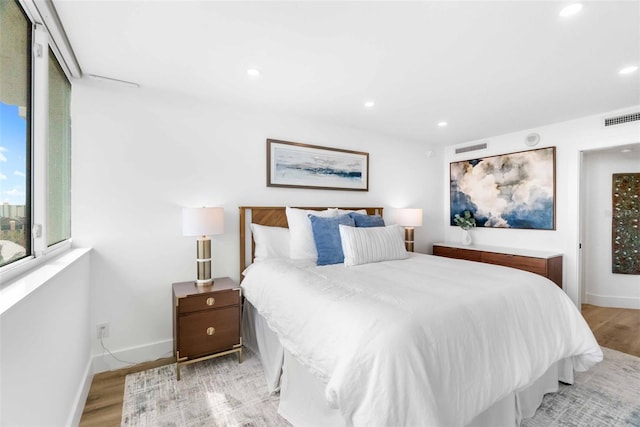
(598, 285)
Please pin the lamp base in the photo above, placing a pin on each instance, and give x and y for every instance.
(203, 261)
(408, 239)
(203, 283)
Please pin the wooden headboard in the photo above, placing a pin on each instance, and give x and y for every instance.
(274, 216)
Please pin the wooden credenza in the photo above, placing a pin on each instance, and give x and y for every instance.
(547, 264)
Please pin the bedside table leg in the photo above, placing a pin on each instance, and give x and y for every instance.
(240, 355)
(177, 371)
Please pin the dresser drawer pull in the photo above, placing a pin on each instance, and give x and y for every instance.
(211, 301)
(211, 330)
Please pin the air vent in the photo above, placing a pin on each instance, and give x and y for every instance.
(471, 148)
(620, 120)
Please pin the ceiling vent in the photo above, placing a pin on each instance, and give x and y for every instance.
(471, 148)
(620, 120)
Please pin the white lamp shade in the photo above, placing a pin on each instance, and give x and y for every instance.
(409, 217)
(202, 221)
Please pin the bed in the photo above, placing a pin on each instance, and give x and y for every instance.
(388, 337)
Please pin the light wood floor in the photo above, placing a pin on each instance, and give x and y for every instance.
(614, 328)
(104, 402)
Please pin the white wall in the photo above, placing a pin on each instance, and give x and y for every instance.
(139, 156)
(569, 138)
(601, 286)
(45, 360)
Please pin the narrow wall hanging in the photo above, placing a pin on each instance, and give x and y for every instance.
(625, 223)
(515, 190)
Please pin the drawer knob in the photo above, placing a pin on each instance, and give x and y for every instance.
(211, 301)
(211, 330)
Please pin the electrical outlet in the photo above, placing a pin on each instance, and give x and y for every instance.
(102, 330)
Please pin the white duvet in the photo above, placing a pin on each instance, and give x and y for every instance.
(426, 341)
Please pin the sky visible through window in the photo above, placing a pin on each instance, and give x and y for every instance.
(13, 155)
(14, 222)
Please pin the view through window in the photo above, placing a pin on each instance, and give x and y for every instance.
(15, 77)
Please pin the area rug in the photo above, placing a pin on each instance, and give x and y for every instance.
(221, 392)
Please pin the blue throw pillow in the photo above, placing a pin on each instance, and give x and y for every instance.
(326, 234)
(367, 220)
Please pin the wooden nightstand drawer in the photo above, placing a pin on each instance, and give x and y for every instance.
(210, 331)
(220, 299)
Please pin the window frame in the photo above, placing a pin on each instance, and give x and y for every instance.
(46, 33)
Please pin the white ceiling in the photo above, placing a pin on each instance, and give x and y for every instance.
(487, 68)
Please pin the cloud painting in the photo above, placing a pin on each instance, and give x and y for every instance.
(514, 190)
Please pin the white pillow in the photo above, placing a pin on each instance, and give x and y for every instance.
(346, 211)
(271, 242)
(301, 242)
(362, 245)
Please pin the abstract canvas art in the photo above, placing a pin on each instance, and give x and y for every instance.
(515, 190)
(291, 164)
(625, 223)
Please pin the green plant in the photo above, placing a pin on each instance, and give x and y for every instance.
(466, 221)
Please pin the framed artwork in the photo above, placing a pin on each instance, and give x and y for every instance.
(625, 223)
(295, 165)
(515, 190)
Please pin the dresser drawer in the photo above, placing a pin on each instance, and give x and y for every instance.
(195, 303)
(457, 253)
(210, 331)
(534, 265)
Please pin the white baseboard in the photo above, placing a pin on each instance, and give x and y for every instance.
(612, 301)
(81, 397)
(131, 356)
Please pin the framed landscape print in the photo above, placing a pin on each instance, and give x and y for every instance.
(515, 190)
(295, 165)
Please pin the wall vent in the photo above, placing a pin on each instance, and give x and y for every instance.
(471, 148)
(620, 120)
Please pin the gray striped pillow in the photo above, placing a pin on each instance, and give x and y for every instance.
(372, 244)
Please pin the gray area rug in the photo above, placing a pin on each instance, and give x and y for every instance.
(221, 392)
(606, 395)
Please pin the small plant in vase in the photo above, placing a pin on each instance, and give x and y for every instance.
(466, 222)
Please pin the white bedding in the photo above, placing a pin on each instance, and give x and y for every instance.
(422, 341)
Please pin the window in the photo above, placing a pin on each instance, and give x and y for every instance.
(35, 136)
(15, 140)
(58, 155)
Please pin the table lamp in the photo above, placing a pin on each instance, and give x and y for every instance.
(409, 218)
(203, 222)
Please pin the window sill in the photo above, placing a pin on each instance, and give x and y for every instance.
(19, 288)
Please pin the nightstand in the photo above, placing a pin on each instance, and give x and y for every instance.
(206, 321)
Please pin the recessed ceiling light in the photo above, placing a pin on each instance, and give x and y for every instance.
(628, 70)
(253, 73)
(369, 104)
(571, 10)
(442, 124)
(626, 150)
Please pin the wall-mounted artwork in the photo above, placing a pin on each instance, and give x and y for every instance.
(625, 223)
(291, 164)
(515, 190)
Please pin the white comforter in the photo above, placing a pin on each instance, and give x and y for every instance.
(426, 341)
